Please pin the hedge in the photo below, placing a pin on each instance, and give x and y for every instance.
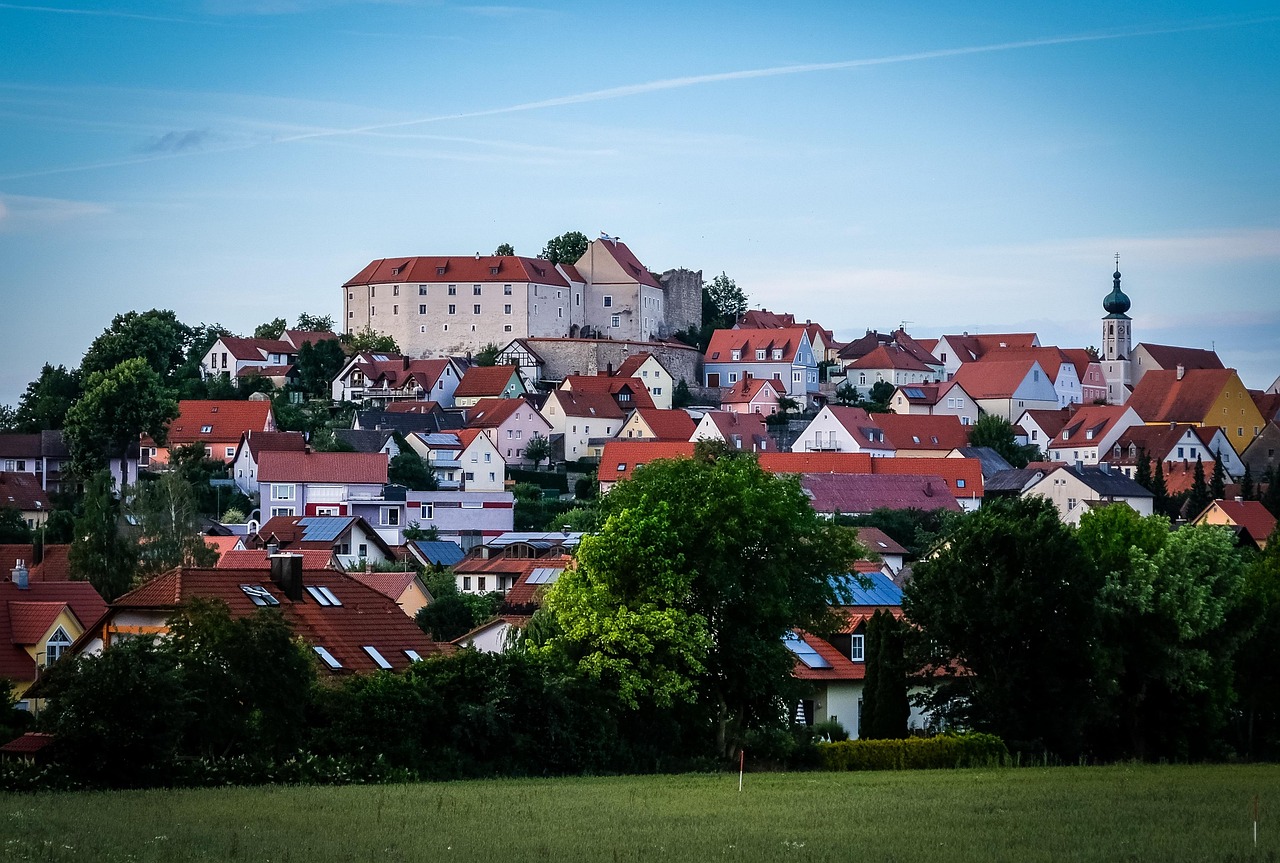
(916, 753)
(542, 478)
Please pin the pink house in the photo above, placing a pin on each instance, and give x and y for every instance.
(752, 396)
(509, 423)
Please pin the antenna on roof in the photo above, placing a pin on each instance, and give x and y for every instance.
(608, 238)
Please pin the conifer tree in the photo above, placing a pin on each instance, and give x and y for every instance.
(1199, 498)
(1247, 489)
(1218, 484)
(1159, 490)
(1142, 476)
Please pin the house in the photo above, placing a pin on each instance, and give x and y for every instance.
(783, 355)
(22, 492)
(429, 417)
(623, 299)
(921, 435)
(740, 431)
(467, 518)
(466, 459)
(260, 558)
(627, 393)
(884, 548)
(313, 483)
(404, 587)
(433, 554)
(922, 351)
(955, 351)
(488, 382)
(1268, 404)
(392, 378)
(43, 455)
(231, 355)
(1147, 357)
(510, 424)
(351, 627)
(1090, 433)
(1176, 443)
(1252, 523)
(369, 440)
(1006, 388)
(991, 461)
(841, 429)
(888, 364)
(1211, 397)
(47, 564)
(858, 494)
(1076, 489)
(1056, 364)
(752, 396)
(537, 558)
(1261, 454)
(495, 635)
(585, 420)
(947, 398)
(1039, 427)
(39, 621)
(1093, 383)
(656, 424)
(657, 379)
(218, 424)
(244, 465)
(351, 539)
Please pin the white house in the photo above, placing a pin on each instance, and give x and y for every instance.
(842, 429)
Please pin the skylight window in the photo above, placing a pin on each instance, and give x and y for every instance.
(376, 656)
(413, 655)
(804, 652)
(328, 657)
(323, 595)
(206, 429)
(259, 595)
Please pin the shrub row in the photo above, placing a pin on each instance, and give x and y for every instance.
(916, 753)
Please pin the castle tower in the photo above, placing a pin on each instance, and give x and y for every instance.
(1117, 342)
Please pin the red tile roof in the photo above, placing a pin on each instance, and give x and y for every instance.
(460, 268)
(630, 367)
(817, 462)
(675, 425)
(975, 346)
(857, 493)
(485, 381)
(29, 621)
(298, 338)
(1169, 357)
(924, 431)
(621, 457)
(1080, 358)
(255, 349)
(1088, 425)
(20, 446)
(627, 260)
(277, 441)
(390, 584)
(366, 617)
(1159, 441)
(1050, 422)
(889, 357)
(962, 476)
(763, 319)
(725, 342)
(750, 429)
(54, 567)
(842, 667)
(22, 491)
(1268, 404)
(995, 379)
(402, 372)
(226, 420)
(256, 558)
(615, 387)
(879, 542)
(931, 394)
(1250, 515)
(1160, 397)
(747, 390)
(491, 413)
(413, 407)
(28, 744)
(32, 607)
(337, 467)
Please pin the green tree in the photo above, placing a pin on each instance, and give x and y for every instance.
(156, 336)
(13, 528)
(701, 567)
(568, 248)
(505, 249)
(1160, 491)
(272, 329)
(1270, 496)
(680, 395)
(452, 614)
(367, 339)
(47, 399)
(410, 470)
(885, 708)
(1199, 498)
(1218, 482)
(314, 323)
(997, 433)
(118, 407)
(103, 551)
(723, 302)
(1247, 489)
(847, 395)
(189, 381)
(1258, 659)
(1142, 473)
(537, 449)
(8, 419)
(878, 397)
(193, 464)
(318, 364)
(487, 355)
(1009, 596)
(170, 527)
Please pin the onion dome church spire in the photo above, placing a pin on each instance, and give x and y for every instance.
(1116, 303)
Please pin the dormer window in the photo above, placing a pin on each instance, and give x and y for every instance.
(777, 353)
(440, 271)
(493, 271)
(760, 354)
(735, 355)
(57, 644)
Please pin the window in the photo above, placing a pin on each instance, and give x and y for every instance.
(57, 644)
(475, 290)
(390, 515)
(413, 655)
(428, 511)
(466, 582)
(422, 308)
(506, 309)
(506, 290)
(323, 596)
(281, 510)
(453, 310)
(959, 483)
(376, 656)
(453, 290)
(615, 321)
(760, 353)
(283, 490)
(206, 429)
(259, 595)
(373, 310)
(372, 290)
(777, 353)
(797, 377)
(363, 550)
(475, 310)
(328, 657)
(608, 301)
(422, 290)
(395, 290)
(857, 644)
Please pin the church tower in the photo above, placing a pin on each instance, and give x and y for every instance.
(1117, 342)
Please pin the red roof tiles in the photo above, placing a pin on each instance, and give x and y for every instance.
(22, 491)
(486, 381)
(747, 342)
(461, 268)
(226, 420)
(335, 467)
(1162, 397)
(924, 431)
(670, 425)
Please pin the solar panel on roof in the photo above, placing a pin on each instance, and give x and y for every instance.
(544, 575)
(804, 651)
(880, 591)
(322, 528)
(914, 393)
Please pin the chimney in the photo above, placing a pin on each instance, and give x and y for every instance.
(1079, 467)
(406, 364)
(608, 369)
(1182, 370)
(286, 572)
(306, 450)
(273, 548)
(19, 576)
(1104, 467)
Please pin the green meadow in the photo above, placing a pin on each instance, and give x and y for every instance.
(1118, 813)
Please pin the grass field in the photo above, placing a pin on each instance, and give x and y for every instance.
(1076, 814)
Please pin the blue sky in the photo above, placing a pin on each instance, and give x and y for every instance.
(955, 166)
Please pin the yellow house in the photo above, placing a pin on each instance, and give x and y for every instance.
(1201, 397)
(39, 621)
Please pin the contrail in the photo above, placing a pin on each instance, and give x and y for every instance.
(627, 90)
(98, 13)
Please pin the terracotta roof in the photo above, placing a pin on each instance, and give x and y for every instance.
(482, 381)
(54, 567)
(390, 584)
(930, 394)
(889, 357)
(878, 541)
(749, 429)
(627, 260)
(524, 593)
(630, 367)
(256, 558)
(817, 462)
(226, 420)
(297, 533)
(459, 268)
(413, 407)
(397, 372)
(1080, 358)
(22, 491)
(1169, 357)
(924, 431)
(1159, 441)
(365, 617)
(1050, 422)
(491, 413)
(856, 493)
(748, 389)
(725, 342)
(842, 667)
(265, 371)
(298, 338)
(1088, 425)
(977, 345)
(1161, 397)
(612, 386)
(1250, 515)
(763, 319)
(34, 606)
(255, 349)
(862, 427)
(221, 544)
(276, 441)
(630, 454)
(28, 744)
(962, 476)
(1050, 358)
(339, 467)
(20, 446)
(621, 457)
(1268, 404)
(29, 621)
(995, 379)
(669, 424)
(921, 350)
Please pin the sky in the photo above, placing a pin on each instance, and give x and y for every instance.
(948, 166)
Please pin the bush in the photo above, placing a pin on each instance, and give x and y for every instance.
(916, 753)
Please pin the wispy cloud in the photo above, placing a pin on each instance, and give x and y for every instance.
(96, 13)
(1203, 247)
(180, 141)
(289, 7)
(21, 212)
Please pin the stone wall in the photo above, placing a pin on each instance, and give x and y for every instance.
(563, 357)
(684, 300)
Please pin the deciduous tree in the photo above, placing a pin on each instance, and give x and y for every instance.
(170, 527)
(103, 550)
(272, 329)
(47, 399)
(118, 407)
(155, 336)
(567, 248)
(997, 433)
(315, 323)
